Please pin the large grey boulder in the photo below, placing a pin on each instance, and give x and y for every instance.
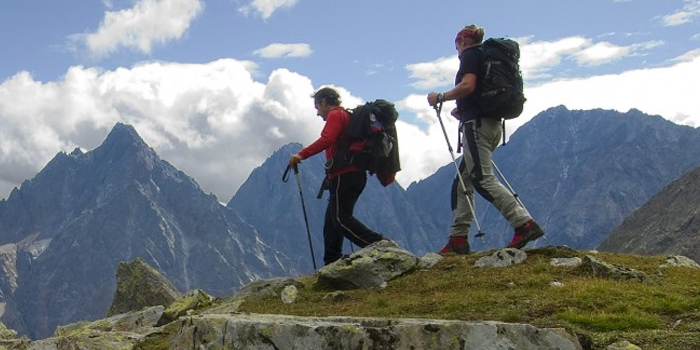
(622, 345)
(679, 261)
(193, 300)
(119, 332)
(266, 287)
(566, 262)
(263, 288)
(258, 332)
(605, 269)
(370, 267)
(502, 258)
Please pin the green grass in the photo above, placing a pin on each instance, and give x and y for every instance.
(662, 315)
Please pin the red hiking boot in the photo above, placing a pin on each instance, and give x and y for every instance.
(457, 245)
(525, 234)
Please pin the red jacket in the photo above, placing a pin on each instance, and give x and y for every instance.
(336, 121)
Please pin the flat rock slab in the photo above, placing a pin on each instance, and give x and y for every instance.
(255, 331)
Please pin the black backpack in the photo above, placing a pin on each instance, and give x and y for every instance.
(370, 141)
(500, 91)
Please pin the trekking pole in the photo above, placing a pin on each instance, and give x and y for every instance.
(479, 233)
(512, 191)
(285, 177)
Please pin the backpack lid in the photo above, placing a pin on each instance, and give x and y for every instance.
(385, 112)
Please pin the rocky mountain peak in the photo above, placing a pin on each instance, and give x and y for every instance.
(123, 144)
(123, 134)
(86, 212)
(666, 224)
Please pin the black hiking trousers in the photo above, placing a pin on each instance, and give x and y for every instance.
(345, 189)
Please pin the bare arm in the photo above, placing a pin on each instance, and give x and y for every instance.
(465, 87)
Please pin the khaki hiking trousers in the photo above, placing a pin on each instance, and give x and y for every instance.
(477, 172)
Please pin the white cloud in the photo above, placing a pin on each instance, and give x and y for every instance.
(424, 148)
(266, 7)
(537, 59)
(212, 121)
(678, 18)
(149, 22)
(688, 56)
(277, 50)
(647, 46)
(440, 72)
(691, 9)
(216, 123)
(601, 53)
(664, 91)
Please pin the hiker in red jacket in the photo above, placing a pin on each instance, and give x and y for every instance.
(482, 134)
(345, 185)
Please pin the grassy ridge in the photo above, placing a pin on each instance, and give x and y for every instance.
(662, 315)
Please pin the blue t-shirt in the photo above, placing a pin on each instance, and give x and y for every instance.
(470, 61)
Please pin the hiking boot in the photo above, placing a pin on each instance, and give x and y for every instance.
(457, 245)
(525, 234)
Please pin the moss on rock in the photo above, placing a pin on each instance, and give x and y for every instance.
(196, 299)
(140, 285)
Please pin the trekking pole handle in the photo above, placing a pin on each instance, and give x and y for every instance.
(285, 176)
(438, 107)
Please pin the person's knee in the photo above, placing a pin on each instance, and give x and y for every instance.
(485, 189)
(344, 221)
(486, 181)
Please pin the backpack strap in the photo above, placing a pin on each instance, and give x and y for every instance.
(503, 133)
(324, 186)
(341, 157)
(459, 136)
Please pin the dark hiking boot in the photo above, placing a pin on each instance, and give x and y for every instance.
(342, 257)
(457, 245)
(525, 234)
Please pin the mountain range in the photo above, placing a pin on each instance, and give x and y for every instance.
(63, 232)
(578, 172)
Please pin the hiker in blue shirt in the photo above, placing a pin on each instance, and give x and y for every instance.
(482, 134)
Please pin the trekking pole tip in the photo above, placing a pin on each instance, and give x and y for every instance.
(480, 236)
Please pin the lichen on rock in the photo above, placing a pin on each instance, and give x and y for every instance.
(140, 285)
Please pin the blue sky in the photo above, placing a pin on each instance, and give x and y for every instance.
(216, 86)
